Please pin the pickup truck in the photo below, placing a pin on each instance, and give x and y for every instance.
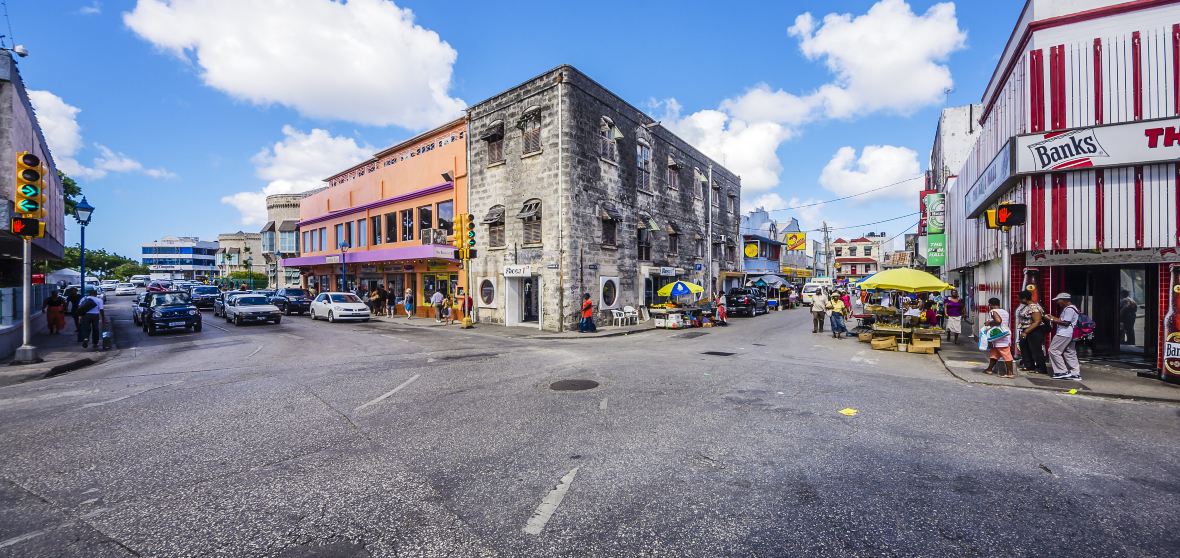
(749, 302)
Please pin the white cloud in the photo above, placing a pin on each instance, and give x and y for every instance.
(93, 8)
(364, 61)
(878, 166)
(809, 217)
(886, 60)
(297, 163)
(59, 123)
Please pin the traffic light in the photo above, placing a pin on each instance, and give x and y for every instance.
(27, 226)
(990, 216)
(467, 225)
(30, 186)
(1011, 214)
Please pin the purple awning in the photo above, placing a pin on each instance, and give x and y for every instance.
(426, 252)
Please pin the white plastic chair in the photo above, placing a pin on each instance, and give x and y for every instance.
(617, 317)
(630, 313)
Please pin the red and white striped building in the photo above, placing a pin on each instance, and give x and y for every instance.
(1080, 122)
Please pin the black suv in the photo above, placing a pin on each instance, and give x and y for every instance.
(169, 310)
(204, 295)
(291, 301)
(746, 301)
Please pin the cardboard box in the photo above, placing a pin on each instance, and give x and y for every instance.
(865, 337)
(927, 343)
(885, 344)
(921, 349)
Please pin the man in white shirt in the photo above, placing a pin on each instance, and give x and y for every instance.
(92, 318)
(436, 300)
(819, 311)
(1062, 352)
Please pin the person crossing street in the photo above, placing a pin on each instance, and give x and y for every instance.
(819, 310)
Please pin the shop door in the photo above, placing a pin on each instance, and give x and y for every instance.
(529, 311)
(1116, 298)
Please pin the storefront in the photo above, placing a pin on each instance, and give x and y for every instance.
(422, 269)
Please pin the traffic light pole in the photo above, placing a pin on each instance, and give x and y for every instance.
(27, 353)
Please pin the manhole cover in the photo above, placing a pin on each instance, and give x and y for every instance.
(573, 385)
(718, 353)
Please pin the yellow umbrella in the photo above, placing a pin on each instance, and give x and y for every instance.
(680, 288)
(905, 279)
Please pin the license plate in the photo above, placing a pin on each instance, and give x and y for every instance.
(175, 324)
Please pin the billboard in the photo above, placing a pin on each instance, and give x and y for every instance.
(1131, 143)
(796, 240)
(935, 213)
(936, 250)
(922, 209)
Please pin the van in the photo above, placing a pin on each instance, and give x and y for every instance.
(812, 289)
(140, 280)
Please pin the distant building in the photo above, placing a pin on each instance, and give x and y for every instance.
(280, 238)
(180, 257)
(773, 257)
(240, 251)
(857, 258)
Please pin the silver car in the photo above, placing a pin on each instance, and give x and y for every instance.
(250, 308)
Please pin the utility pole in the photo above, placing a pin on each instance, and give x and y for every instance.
(709, 232)
(827, 251)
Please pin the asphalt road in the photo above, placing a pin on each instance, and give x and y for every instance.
(378, 439)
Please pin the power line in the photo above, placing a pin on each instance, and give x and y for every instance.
(902, 232)
(903, 181)
(4, 4)
(867, 224)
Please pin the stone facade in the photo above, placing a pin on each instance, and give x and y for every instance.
(236, 249)
(587, 178)
(280, 238)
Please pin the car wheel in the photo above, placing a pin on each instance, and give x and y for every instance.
(286, 310)
(150, 329)
(238, 321)
(277, 320)
(331, 318)
(197, 328)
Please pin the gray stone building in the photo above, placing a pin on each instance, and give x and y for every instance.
(280, 238)
(576, 191)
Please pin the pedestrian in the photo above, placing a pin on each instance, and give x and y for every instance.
(408, 304)
(722, 313)
(466, 304)
(999, 346)
(93, 317)
(836, 307)
(819, 309)
(55, 312)
(952, 308)
(391, 301)
(1128, 314)
(73, 298)
(375, 304)
(1062, 352)
(1030, 318)
(448, 311)
(436, 300)
(930, 315)
(587, 323)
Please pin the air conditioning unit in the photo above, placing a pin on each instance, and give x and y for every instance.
(432, 236)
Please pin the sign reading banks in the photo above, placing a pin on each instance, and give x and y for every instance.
(1074, 149)
(1113, 145)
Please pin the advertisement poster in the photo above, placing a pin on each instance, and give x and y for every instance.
(936, 250)
(935, 213)
(796, 241)
(1171, 367)
(922, 210)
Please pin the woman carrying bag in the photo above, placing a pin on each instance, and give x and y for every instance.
(998, 338)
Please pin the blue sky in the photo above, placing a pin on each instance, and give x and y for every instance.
(177, 116)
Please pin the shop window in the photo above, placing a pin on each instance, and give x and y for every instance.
(610, 230)
(644, 244)
(530, 215)
(391, 227)
(608, 294)
(487, 293)
(407, 224)
(425, 217)
(530, 126)
(446, 216)
(643, 165)
(375, 225)
(608, 140)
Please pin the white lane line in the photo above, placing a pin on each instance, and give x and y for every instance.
(549, 504)
(389, 393)
(22, 538)
(255, 352)
(602, 405)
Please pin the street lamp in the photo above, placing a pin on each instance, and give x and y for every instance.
(249, 270)
(82, 213)
(343, 268)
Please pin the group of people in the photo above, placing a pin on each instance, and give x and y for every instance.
(87, 311)
(835, 307)
(1034, 325)
(384, 302)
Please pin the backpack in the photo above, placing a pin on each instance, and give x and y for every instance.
(85, 306)
(1083, 327)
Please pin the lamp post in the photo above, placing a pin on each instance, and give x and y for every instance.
(249, 270)
(82, 213)
(343, 268)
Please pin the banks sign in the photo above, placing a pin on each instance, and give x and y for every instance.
(1114, 145)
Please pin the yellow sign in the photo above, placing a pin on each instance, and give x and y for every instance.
(796, 240)
(751, 250)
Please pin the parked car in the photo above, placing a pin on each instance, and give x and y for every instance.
(251, 307)
(744, 300)
(204, 295)
(811, 290)
(125, 289)
(170, 310)
(140, 280)
(159, 286)
(291, 301)
(138, 308)
(339, 306)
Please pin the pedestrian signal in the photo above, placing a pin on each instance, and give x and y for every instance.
(1011, 214)
(27, 226)
(990, 219)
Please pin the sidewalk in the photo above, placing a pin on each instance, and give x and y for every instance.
(966, 362)
(518, 332)
(61, 354)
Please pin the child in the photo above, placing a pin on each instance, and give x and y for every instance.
(448, 311)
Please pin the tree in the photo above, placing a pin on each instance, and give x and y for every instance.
(125, 271)
(253, 280)
(71, 191)
(98, 262)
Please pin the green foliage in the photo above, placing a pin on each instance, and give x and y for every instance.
(72, 192)
(99, 263)
(236, 278)
(125, 271)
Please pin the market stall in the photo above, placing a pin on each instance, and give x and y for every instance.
(893, 326)
(684, 307)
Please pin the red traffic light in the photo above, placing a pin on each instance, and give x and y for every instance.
(1011, 215)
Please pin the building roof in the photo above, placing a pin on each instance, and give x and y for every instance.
(288, 225)
(840, 241)
(861, 239)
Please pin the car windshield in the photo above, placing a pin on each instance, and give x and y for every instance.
(164, 299)
(344, 298)
(252, 301)
(810, 289)
(125, 285)
(295, 292)
(205, 290)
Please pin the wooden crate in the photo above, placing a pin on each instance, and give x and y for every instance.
(884, 344)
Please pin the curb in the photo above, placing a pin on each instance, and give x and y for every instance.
(1102, 395)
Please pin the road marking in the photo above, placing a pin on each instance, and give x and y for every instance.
(218, 327)
(549, 504)
(389, 393)
(22, 538)
(255, 352)
(602, 404)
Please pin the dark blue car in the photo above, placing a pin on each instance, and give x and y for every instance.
(170, 310)
(291, 301)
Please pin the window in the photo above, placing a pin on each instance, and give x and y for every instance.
(717, 251)
(496, 150)
(643, 165)
(732, 203)
(375, 225)
(673, 243)
(703, 191)
(530, 214)
(716, 196)
(852, 270)
(644, 244)
(307, 240)
(839, 252)
(610, 231)
(407, 224)
(852, 250)
(323, 238)
(610, 293)
(530, 126)
(391, 227)
(361, 235)
(268, 242)
(425, 217)
(672, 177)
(700, 247)
(732, 255)
(608, 136)
(446, 216)
(288, 242)
(868, 250)
(487, 292)
(350, 234)
(340, 235)
(495, 222)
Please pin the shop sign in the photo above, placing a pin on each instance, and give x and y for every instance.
(518, 271)
(1172, 326)
(796, 241)
(444, 252)
(987, 188)
(751, 250)
(1130, 143)
(368, 269)
(667, 272)
(936, 250)
(1112, 257)
(332, 259)
(592, 267)
(922, 214)
(935, 213)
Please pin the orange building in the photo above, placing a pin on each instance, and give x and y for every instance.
(390, 221)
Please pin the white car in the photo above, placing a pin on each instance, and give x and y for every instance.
(246, 308)
(339, 306)
(108, 284)
(125, 289)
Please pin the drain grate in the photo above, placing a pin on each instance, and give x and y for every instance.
(1063, 384)
(690, 334)
(573, 385)
(718, 353)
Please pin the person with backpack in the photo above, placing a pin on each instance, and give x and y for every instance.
(92, 315)
(1062, 351)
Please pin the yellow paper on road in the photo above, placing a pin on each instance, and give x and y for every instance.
(848, 412)
(1073, 391)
